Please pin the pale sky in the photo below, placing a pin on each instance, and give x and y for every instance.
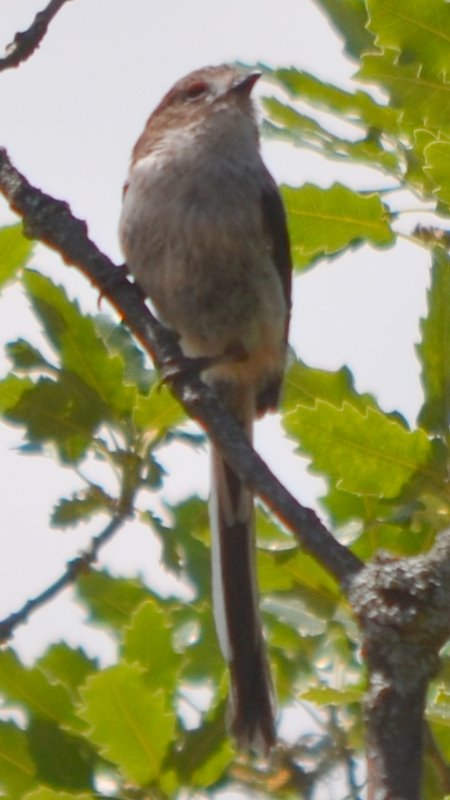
(70, 116)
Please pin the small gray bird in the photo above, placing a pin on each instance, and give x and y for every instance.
(203, 231)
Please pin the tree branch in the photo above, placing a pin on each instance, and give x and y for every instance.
(51, 222)
(26, 42)
(403, 606)
(74, 568)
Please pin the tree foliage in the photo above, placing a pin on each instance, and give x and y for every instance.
(71, 728)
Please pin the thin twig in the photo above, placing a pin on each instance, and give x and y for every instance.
(26, 42)
(51, 222)
(74, 568)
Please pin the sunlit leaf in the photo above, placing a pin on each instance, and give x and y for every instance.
(327, 696)
(366, 453)
(418, 29)
(44, 793)
(322, 222)
(131, 724)
(355, 106)
(301, 130)
(15, 251)
(158, 411)
(80, 344)
(11, 390)
(424, 99)
(148, 641)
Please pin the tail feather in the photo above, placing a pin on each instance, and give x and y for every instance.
(237, 612)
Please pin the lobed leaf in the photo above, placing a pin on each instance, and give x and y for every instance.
(423, 99)
(79, 344)
(418, 29)
(81, 507)
(24, 356)
(32, 690)
(148, 641)
(349, 17)
(66, 412)
(131, 725)
(158, 411)
(358, 107)
(66, 665)
(301, 130)
(364, 452)
(323, 222)
(110, 601)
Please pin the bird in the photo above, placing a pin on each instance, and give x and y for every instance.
(204, 234)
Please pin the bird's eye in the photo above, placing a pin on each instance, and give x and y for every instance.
(196, 90)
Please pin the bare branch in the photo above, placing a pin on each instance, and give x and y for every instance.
(74, 568)
(51, 221)
(403, 606)
(26, 42)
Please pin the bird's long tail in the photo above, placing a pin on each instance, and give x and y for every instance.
(236, 607)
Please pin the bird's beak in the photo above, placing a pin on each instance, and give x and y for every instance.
(244, 84)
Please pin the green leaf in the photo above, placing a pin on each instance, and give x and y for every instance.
(15, 251)
(118, 339)
(303, 575)
(349, 17)
(302, 131)
(32, 690)
(111, 601)
(418, 30)
(81, 507)
(326, 696)
(366, 453)
(66, 412)
(305, 385)
(437, 168)
(44, 793)
(80, 345)
(158, 411)
(130, 724)
(11, 390)
(24, 356)
(205, 752)
(323, 222)
(16, 764)
(61, 760)
(424, 99)
(148, 641)
(358, 107)
(294, 612)
(65, 665)
(434, 349)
